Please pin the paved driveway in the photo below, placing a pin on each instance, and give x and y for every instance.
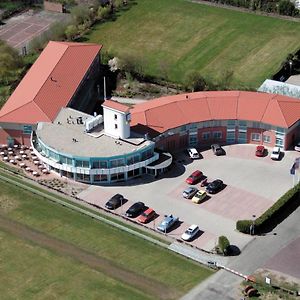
(252, 185)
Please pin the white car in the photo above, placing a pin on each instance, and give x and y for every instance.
(275, 153)
(297, 147)
(190, 232)
(193, 153)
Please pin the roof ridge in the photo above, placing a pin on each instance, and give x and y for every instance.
(237, 104)
(266, 107)
(206, 100)
(42, 112)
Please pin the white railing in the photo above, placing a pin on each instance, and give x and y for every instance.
(88, 171)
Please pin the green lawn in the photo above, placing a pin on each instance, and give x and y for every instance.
(30, 272)
(182, 36)
(126, 250)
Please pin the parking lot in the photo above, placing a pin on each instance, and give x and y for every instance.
(252, 184)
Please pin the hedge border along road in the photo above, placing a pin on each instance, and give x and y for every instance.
(280, 210)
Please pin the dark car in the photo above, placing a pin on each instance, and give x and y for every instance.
(217, 149)
(135, 209)
(215, 186)
(115, 201)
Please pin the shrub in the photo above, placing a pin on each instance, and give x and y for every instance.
(275, 214)
(224, 244)
(243, 226)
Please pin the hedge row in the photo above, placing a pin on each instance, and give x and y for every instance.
(273, 215)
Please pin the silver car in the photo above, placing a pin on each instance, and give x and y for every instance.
(167, 223)
(189, 192)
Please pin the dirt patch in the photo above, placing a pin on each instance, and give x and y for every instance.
(7, 204)
(106, 266)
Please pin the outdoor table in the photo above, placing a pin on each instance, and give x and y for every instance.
(2, 153)
(5, 158)
(34, 173)
(24, 156)
(28, 169)
(32, 153)
(30, 148)
(16, 146)
(22, 165)
(22, 152)
(41, 167)
(12, 161)
(45, 171)
(9, 149)
(10, 152)
(36, 162)
(17, 157)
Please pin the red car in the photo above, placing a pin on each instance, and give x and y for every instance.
(146, 216)
(194, 177)
(260, 151)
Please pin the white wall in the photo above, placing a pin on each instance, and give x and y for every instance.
(110, 123)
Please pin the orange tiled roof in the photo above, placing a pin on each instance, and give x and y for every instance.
(165, 113)
(50, 83)
(116, 105)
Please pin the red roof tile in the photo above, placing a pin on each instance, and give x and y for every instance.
(173, 111)
(50, 83)
(116, 105)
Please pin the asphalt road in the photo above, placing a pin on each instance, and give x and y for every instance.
(224, 285)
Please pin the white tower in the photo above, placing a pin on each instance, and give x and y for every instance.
(116, 119)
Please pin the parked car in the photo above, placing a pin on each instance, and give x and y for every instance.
(194, 177)
(189, 192)
(260, 151)
(275, 155)
(217, 149)
(199, 196)
(297, 147)
(193, 153)
(135, 209)
(190, 232)
(146, 216)
(167, 223)
(115, 201)
(215, 186)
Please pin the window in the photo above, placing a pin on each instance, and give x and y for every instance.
(82, 163)
(116, 126)
(183, 128)
(279, 142)
(206, 135)
(217, 135)
(267, 139)
(255, 137)
(147, 154)
(230, 136)
(256, 125)
(27, 129)
(193, 126)
(102, 164)
(217, 123)
(116, 117)
(267, 126)
(231, 122)
(133, 159)
(117, 163)
(66, 160)
(280, 130)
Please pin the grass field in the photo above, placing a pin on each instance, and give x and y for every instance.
(178, 36)
(128, 252)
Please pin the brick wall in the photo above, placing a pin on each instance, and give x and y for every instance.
(17, 135)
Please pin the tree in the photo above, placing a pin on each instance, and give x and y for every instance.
(195, 82)
(10, 62)
(286, 7)
(80, 14)
(224, 244)
(71, 32)
(103, 12)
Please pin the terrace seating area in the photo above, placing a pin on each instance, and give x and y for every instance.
(23, 157)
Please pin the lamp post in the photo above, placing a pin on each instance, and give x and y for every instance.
(252, 227)
(291, 64)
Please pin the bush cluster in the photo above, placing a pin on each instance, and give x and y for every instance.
(282, 7)
(271, 215)
(223, 244)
